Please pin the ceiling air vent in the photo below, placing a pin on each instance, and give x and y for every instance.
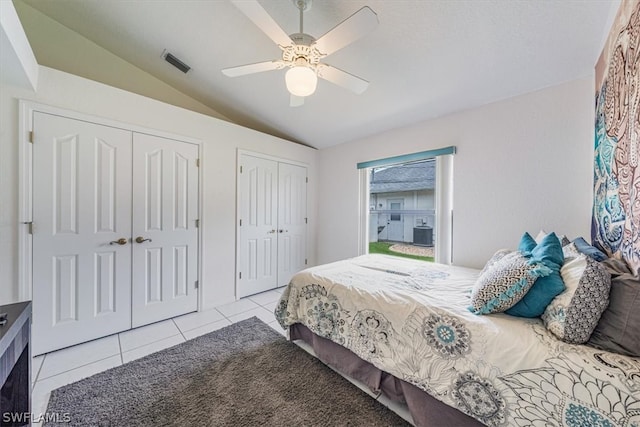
(176, 62)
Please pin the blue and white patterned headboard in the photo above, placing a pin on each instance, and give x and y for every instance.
(615, 226)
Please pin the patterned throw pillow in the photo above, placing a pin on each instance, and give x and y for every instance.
(574, 314)
(504, 283)
(570, 251)
(495, 258)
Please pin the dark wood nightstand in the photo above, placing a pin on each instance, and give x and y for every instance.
(15, 365)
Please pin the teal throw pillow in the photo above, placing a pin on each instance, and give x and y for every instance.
(527, 243)
(545, 289)
(548, 251)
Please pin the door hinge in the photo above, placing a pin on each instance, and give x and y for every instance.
(31, 136)
(306, 179)
(240, 275)
(240, 223)
(197, 223)
(197, 284)
(305, 261)
(197, 163)
(305, 221)
(240, 168)
(30, 227)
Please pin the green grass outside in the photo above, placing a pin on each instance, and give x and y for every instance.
(383, 248)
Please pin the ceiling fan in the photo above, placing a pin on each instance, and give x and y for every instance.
(301, 53)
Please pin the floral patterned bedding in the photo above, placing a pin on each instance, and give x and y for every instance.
(410, 319)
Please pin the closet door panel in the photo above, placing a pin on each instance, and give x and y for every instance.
(81, 209)
(292, 221)
(165, 237)
(258, 233)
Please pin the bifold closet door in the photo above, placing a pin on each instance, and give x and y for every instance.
(81, 230)
(165, 237)
(272, 224)
(115, 241)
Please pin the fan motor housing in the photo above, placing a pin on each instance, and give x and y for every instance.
(302, 39)
(302, 48)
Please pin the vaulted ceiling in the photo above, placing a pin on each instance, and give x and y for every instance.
(425, 58)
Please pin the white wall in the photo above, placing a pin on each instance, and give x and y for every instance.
(220, 143)
(59, 47)
(522, 164)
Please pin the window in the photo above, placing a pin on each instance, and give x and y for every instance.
(406, 205)
(395, 207)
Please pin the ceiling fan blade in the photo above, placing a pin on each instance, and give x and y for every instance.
(351, 29)
(256, 13)
(296, 101)
(342, 78)
(258, 67)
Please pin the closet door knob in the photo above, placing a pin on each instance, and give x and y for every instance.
(120, 241)
(141, 239)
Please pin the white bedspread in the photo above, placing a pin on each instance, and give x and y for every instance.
(410, 319)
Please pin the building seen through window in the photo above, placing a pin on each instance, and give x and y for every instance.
(402, 209)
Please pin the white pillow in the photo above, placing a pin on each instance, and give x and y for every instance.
(541, 235)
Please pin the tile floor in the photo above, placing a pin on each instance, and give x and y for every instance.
(68, 365)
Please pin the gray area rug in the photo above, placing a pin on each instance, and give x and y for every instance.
(245, 374)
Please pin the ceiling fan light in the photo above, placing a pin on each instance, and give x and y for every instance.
(301, 81)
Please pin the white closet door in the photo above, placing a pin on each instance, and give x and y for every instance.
(258, 205)
(292, 221)
(165, 238)
(81, 207)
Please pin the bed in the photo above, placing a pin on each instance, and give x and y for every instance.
(404, 327)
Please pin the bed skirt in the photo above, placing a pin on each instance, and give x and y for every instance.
(426, 410)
